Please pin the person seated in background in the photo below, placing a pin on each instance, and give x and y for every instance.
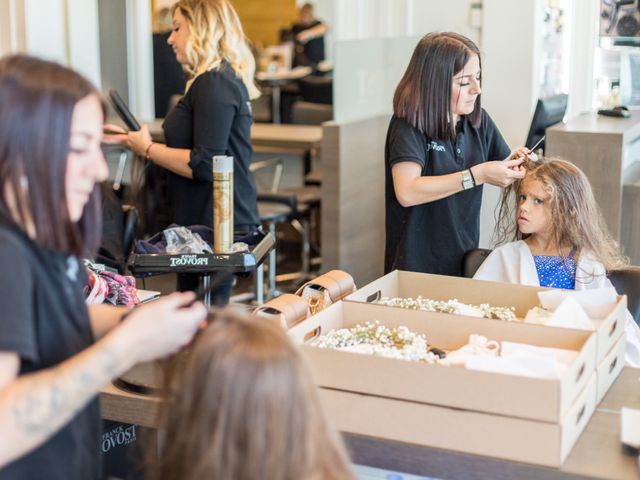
(556, 237)
(243, 406)
(308, 37)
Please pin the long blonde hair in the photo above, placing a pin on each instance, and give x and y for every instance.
(577, 220)
(245, 407)
(215, 34)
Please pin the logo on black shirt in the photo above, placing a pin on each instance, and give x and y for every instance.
(436, 147)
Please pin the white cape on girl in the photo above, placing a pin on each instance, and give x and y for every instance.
(513, 263)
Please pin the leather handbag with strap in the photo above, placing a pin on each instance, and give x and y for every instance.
(326, 289)
(287, 309)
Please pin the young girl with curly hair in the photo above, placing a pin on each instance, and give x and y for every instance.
(557, 237)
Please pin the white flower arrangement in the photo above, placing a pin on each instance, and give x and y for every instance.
(451, 306)
(376, 339)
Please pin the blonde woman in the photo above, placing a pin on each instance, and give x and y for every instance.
(212, 118)
(244, 407)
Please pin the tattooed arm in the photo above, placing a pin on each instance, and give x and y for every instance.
(35, 406)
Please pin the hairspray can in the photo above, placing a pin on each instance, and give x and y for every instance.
(222, 203)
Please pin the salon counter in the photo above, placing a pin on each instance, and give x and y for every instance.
(598, 453)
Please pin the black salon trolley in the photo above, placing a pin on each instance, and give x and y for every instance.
(206, 264)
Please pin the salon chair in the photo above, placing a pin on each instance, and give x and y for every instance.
(472, 261)
(316, 89)
(277, 206)
(310, 113)
(627, 282)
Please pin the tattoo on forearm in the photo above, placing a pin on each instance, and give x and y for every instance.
(51, 399)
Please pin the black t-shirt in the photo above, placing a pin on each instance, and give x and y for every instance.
(213, 118)
(433, 237)
(45, 321)
(311, 52)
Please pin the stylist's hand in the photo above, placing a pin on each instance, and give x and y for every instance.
(500, 173)
(138, 141)
(163, 326)
(522, 153)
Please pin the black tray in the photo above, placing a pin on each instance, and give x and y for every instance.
(155, 263)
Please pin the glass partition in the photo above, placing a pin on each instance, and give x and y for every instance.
(366, 73)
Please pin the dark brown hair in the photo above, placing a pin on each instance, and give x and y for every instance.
(423, 96)
(37, 100)
(245, 407)
(577, 220)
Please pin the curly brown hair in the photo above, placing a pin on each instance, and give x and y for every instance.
(244, 407)
(577, 220)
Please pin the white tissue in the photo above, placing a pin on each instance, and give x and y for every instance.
(525, 360)
(597, 303)
(568, 314)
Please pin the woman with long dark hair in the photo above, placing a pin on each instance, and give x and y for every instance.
(55, 353)
(440, 147)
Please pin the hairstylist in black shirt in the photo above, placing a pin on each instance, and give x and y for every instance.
(55, 353)
(439, 150)
(308, 37)
(213, 118)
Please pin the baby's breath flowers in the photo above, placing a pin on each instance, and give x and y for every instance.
(375, 339)
(451, 306)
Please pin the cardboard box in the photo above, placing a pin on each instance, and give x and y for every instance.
(510, 438)
(522, 298)
(546, 400)
(609, 368)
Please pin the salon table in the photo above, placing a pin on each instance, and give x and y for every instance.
(276, 80)
(305, 139)
(266, 135)
(598, 453)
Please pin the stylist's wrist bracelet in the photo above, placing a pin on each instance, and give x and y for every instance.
(146, 151)
(473, 177)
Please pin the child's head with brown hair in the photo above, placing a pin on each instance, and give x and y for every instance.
(555, 202)
(245, 407)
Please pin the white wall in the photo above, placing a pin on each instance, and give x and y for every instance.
(12, 35)
(450, 16)
(140, 59)
(83, 38)
(584, 40)
(45, 29)
(65, 31)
